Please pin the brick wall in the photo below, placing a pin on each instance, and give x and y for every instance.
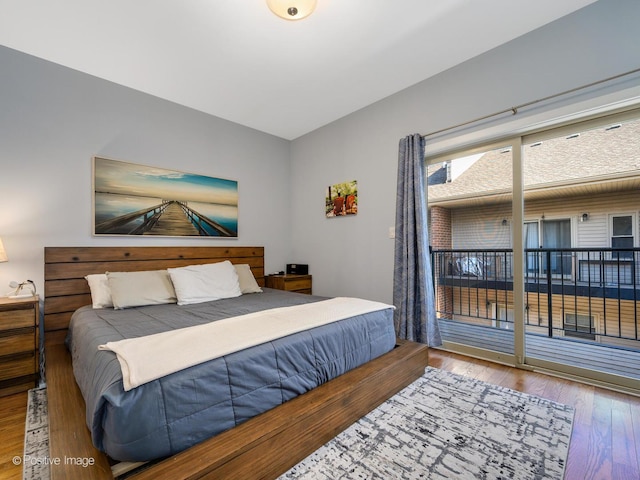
(440, 238)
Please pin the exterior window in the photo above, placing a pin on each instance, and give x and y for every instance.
(555, 234)
(622, 235)
(579, 326)
(532, 240)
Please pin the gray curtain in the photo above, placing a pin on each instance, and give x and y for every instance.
(415, 315)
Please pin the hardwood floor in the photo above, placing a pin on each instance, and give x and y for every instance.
(605, 443)
(13, 410)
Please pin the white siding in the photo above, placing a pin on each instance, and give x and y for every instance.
(481, 227)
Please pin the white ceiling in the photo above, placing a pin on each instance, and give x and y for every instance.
(236, 60)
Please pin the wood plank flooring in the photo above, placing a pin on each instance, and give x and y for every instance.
(606, 434)
(13, 411)
(605, 443)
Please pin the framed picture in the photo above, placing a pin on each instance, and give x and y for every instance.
(131, 199)
(342, 199)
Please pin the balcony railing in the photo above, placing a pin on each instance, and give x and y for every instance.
(589, 294)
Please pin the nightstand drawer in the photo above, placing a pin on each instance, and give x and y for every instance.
(17, 341)
(290, 283)
(298, 284)
(18, 366)
(19, 344)
(11, 319)
(303, 290)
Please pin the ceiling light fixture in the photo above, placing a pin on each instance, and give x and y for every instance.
(292, 9)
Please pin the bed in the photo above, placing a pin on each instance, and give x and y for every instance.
(270, 439)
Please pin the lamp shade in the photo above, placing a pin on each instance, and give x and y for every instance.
(292, 9)
(3, 253)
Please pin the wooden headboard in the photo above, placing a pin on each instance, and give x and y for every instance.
(65, 288)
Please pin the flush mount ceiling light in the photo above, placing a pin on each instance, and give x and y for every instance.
(292, 9)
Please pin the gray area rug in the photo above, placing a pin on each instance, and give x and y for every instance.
(36, 437)
(446, 426)
(442, 426)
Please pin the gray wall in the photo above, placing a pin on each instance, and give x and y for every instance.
(54, 119)
(354, 256)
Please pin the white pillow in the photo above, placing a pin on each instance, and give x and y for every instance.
(100, 291)
(246, 279)
(135, 289)
(204, 283)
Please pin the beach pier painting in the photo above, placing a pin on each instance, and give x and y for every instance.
(131, 199)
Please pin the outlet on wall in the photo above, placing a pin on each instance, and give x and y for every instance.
(392, 232)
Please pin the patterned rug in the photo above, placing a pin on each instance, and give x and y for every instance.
(446, 426)
(442, 426)
(36, 437)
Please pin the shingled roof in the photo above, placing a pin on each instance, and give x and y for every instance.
(605, 153)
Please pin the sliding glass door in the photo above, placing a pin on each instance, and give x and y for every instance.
(536, 248)
(581, 196)
(469, 196)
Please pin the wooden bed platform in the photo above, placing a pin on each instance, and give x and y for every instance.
(263, 447)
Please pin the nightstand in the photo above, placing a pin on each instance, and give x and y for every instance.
(19, 344)
(290, 283)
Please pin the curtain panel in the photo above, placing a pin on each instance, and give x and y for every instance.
(413, 293)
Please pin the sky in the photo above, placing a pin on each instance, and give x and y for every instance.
(112, 176)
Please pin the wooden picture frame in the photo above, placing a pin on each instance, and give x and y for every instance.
(132, 200)
(342, 199)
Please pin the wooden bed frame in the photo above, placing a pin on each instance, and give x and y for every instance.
(263, 447)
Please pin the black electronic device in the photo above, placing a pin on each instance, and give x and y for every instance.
(297, 269)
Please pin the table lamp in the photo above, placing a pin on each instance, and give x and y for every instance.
(3, 253)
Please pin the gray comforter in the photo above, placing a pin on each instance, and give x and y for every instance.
(172, 413)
